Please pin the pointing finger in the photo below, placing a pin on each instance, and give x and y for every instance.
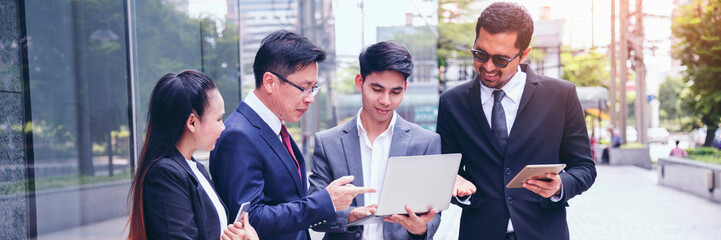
(359, 190)
(343, 180)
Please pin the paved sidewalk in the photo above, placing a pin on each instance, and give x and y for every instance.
(627, 203)
(624, 203)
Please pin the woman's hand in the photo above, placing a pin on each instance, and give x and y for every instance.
(249, 230)
(234, 231)
(240, 231)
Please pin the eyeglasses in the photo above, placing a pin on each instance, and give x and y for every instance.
(498, 60)
(303, 91)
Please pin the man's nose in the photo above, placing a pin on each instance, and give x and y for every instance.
(309, 99)
(489, 66)
(386, 99)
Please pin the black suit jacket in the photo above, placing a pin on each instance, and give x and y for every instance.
(549, 128)
(175, 205)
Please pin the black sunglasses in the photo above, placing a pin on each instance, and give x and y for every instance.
(498, 60)
(303, 91)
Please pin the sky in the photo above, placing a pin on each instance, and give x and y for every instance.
(378, 13)
(353, 30)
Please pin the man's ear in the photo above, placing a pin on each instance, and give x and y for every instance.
(192, 122)
(269, 82)
(359, 82)
(525, 54)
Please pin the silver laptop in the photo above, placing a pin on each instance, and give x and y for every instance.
(419, 182)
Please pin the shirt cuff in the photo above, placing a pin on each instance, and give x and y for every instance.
(557, 198)
(465, 201)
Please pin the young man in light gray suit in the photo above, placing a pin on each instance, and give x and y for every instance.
(361, 147)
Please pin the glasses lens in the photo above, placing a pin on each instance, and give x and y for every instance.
(480, 56)
(314, 90)
(500, 61)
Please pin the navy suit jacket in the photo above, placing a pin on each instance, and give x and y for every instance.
(549, 128)
(175, 205)
(250, 164)
(333, 159)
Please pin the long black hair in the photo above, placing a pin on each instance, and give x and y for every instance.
(174, 98)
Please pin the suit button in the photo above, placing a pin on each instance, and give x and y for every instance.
(510, 200)
(357, 235)
(508, 171)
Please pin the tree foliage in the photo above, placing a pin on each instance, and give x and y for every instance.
(585, 69)
(456, 29)
(698, 30)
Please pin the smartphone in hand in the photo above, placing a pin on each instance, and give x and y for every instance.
(243, 209)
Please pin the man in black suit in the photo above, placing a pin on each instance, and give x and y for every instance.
(505, 119)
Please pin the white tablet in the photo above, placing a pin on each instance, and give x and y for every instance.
(538, 171)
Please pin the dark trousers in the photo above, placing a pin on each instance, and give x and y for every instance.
(511, 236)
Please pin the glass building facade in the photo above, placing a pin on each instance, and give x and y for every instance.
(76, 75)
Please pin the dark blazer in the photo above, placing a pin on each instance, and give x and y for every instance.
(333, 159)
(175, 205)
(250, 164)
(549, 128)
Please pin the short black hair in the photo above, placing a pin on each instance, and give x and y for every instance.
(386, 56)
(284, 52)
(502, 17)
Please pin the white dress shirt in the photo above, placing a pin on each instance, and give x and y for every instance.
(222, 215)
(264, 112)
(374, 156)
(514, 91)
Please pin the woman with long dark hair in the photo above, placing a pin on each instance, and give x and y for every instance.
(172, 195)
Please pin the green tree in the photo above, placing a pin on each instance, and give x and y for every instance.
(698, 30)
(669, 95)
(675, 102)
(585, 69)
(456, 32)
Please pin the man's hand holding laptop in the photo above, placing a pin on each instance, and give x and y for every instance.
(415, 224)
(361, 212)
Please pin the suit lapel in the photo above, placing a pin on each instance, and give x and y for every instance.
(274, 143)
(528, 90)
(202, 170)
(351, 148)
(401, 138)
(178, 158)
(474, 99)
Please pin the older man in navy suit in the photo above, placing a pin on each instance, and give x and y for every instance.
(255, 159)
(505, 119)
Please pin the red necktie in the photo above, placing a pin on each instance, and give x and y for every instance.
(286, 143)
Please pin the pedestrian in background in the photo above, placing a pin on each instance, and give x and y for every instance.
(678, 152)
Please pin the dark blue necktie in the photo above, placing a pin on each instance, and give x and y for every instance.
(498, 119)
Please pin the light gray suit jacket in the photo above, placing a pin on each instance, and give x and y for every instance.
(337, 153)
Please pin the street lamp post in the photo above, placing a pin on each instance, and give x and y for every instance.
(106, 35)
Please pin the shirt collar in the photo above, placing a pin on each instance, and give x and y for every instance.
(263, 111)
(362, 131)
(513, 89)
